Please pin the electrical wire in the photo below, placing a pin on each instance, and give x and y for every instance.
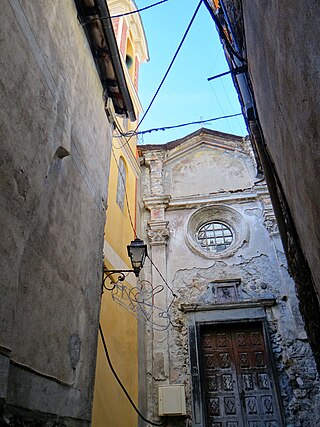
(121, 135)
(160, 274)
(219, 103)
(172, 61)
(167, 72)
(165, 282)
(228, 98)
(135, 234)
(124, 14)
(174, 296)
(178, 126)
(122, 386)
(139, 10)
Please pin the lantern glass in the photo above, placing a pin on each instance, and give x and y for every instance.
(137, 252)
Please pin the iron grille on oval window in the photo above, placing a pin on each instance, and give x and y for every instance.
(214, 236)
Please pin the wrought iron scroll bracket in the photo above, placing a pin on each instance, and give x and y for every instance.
(106, 275)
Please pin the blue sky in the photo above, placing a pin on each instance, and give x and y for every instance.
(186, 95)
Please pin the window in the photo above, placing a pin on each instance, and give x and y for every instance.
(216, 231)
(214, 236)
(121, 186)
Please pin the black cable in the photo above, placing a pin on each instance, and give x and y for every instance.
(138, 10)
(171, 63)
(159, 272)
(122, 386)
(177, 126)
(166, 283)
(124, 14)
(166, 73)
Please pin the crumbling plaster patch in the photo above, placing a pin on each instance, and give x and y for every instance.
(299, 382)
(260, 266)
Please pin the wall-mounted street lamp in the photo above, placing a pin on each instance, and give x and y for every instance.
(137, 252)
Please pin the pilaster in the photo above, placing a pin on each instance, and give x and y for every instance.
(158, 234)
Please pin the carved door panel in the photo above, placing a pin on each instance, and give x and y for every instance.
(238, 384)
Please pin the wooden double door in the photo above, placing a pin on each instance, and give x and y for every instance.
(237, 380)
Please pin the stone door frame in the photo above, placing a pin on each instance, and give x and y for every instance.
(223, 314)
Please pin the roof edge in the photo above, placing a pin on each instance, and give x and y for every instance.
(203, 131)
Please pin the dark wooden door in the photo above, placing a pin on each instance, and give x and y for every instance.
(239, 388)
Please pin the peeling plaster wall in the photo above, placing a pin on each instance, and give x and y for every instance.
(55, 150)
(224, 169)
(280, 41)
(258, 261)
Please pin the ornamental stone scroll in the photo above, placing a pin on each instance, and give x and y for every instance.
(158, 232)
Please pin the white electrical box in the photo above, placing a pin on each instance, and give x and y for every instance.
(172, 400)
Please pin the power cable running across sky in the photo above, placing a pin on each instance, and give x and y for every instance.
(186, 96)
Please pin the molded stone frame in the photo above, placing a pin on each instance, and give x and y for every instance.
(220, 213)
(221, 314)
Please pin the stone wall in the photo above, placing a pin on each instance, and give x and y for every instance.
(255, 261)
(55, 149)
(281, 47)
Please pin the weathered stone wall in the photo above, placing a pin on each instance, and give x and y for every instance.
(256, 259)
(55, 148)
(281, 46)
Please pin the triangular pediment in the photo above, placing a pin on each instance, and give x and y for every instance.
(204, 162)
(202, 137)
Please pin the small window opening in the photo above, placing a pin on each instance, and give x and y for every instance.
(121, 186)
(214, 236)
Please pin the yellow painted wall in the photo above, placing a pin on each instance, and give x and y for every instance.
(110, 406)
(118, 230)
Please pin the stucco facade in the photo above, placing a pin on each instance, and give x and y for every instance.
(55, 155)
(211, 177)
(120, 328)
(277, 43)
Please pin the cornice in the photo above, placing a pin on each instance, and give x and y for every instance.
(240, 196)
(265, 302)
(156, 201)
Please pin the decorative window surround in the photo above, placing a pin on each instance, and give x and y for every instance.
(219, 213)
